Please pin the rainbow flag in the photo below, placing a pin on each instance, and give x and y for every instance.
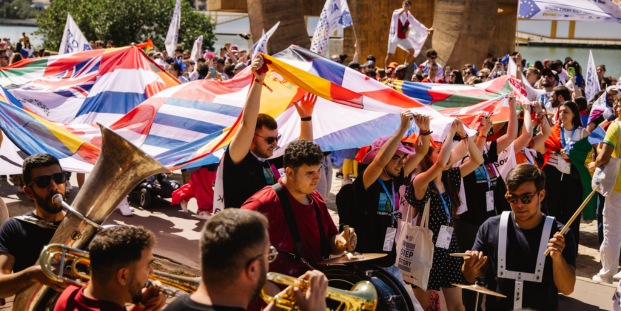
(145, 46)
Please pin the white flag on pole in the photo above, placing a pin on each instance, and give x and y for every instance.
(261, 45)
(197, 50)
(73, 40)
(591, 80)
(173, 31)
(335, 13)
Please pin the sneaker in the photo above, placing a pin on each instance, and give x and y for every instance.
(203, 215)
(124, 208)
(617, 276)
(68, 187)
(184, 206)
(339, 175)
(602, 279)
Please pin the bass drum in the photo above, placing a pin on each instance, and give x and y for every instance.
(390, 292)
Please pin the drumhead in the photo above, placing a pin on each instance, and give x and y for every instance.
(390, 292)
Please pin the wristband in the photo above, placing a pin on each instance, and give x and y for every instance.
(427, 133)
(262, 83)
(464, 137)
(307, 118)
(480, 135)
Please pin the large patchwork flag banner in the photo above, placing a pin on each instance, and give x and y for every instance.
(86, 87)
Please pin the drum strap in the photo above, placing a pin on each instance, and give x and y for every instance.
(293, 226)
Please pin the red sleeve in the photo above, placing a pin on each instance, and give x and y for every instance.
(66, 301)
(426, 80)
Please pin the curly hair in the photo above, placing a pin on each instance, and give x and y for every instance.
(302, 152)
(117, 247)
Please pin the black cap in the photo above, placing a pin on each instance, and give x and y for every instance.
(548, 71)
(354, 65)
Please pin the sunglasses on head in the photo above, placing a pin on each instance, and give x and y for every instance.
(270, 140)
(44, 181)
(525, 198)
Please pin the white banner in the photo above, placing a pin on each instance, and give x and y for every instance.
(591, 80)
(73, 40)
(574, 10)
(197, 50)
(261, 45)
(173, 31)
(335, 13)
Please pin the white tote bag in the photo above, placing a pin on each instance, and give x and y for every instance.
(415, 249)
(606, 175)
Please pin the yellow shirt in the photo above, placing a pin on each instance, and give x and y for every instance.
(612, 138)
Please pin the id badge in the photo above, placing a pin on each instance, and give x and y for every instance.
(389, 240)
(562, 163)
(489, 198)
(444, 238)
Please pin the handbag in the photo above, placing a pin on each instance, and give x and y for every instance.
(415, 248)
(606, 175)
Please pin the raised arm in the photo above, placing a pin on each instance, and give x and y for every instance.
(422, 121)
(474, 161)
(422, 180)
(240, 145)
(387, 151)
(305, 109)
(540, 140)
(512, 130)
(459, 152)
(527, 130)
(486, 124)
(355, 59)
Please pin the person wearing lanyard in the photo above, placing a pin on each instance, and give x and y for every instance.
(526, 140)
(377, 201)
(244, 168)
(563, 184)
(440, 183)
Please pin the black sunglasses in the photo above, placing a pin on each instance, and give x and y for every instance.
(271, 140)
(271, 256)
(44, 181)
(525, 198)
(550, 75)
(433, 57)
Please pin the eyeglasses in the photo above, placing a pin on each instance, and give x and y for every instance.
(44, 181)
(192, 64)
(433, 57)
(525, 198)
(482, 76)
(396, 159)
(467, 73)
(271, 140)
(271, 256)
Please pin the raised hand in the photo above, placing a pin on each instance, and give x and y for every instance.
(406, 118)
(422, 121)
(306, 105)
(257, 65)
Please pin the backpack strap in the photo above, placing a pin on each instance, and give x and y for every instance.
(286, 209)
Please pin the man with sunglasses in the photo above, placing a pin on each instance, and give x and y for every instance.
(549, 79)
(22, 238)
(432, 57)
(235, 256)
(245, 166)
(512, 246)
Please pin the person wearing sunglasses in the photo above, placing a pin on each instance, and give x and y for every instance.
(432, 57)
(121, 261)
(245, 166)
(235, 258)
(512, 246)
(22, 237)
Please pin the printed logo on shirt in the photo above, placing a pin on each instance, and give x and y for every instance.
(384, 203)
(481, 178)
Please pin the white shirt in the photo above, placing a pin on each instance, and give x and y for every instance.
(394, 23)
(440, 74)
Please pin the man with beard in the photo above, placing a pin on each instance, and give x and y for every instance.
(549, 79)
(235, 254)
(245, 168)
(120, 266)
(559, 95)
(22, 237)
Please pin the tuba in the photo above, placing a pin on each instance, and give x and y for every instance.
(119, 168)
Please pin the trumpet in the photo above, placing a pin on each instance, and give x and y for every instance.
(74, 258)
(362, 296)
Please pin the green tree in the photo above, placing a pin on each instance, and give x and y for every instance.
(18, 9)
(125, 22)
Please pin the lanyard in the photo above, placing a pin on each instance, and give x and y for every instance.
(446, 208)
(486, 174)
(391, 198)
(546, 101)
(563, 136)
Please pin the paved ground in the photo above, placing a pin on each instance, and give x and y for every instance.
(178, 235)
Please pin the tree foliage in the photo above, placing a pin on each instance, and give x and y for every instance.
(125, 22)
(18, 9)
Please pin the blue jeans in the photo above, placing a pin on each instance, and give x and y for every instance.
(600, 218)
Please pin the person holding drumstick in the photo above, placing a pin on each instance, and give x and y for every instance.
(513, 246)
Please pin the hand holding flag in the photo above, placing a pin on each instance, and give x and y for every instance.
(306, 105)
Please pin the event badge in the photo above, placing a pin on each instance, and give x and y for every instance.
(444, 238)
(562, 163)
(489, 198)
(389, 240)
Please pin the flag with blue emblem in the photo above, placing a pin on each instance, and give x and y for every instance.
(261, 45)
(173, 30)
(592, 85)
(73, 40)
(576, 10)
(334, 14)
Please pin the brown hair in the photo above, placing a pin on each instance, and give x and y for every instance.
(34, 161)
(267, 121)
(228, 240)
(524, 173)
(453, 191)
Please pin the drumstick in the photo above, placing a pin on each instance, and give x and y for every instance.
(575, 215)
(347, 238)
(461, 255)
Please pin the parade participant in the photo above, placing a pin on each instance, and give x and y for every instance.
(513, 244)
(22, 238)
(235, 253)
(549, 80)
(455, 77)
(377, 192)
(303, 226)
(602, 109)
(400, 72)
(563, 184)
(120, 265)
(4, 58)
(400, 24)
(526, 144)
(609, 250)
(433, 73)
(432, 57)
(439, 182)
(245, 166)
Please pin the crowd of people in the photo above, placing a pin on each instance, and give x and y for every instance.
(498, 193)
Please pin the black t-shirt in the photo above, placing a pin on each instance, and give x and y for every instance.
(521, 255)
(373, 215)
(243, 180)
(184, 303)
(476, 188)
(25, 240)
